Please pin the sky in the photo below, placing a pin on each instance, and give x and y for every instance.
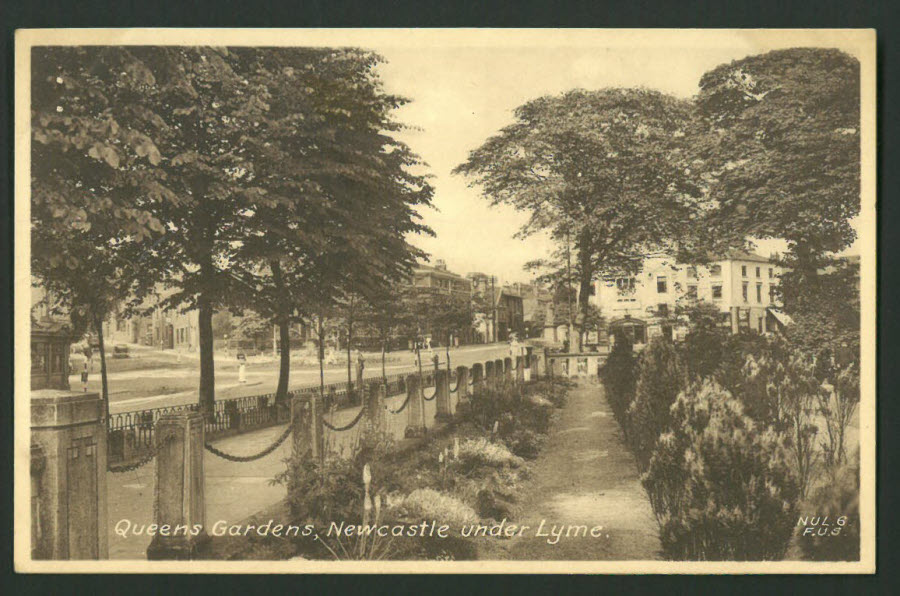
(464, 88)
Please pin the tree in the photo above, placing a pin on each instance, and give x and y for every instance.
(336, 192)
(93, 184)
(604, 172)
(385, 314)
(780, 141)
(244, 143)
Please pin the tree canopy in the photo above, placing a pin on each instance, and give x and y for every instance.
(605, 172)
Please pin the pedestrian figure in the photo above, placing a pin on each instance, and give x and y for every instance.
(84, 376)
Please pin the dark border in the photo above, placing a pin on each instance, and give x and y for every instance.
(523, 13)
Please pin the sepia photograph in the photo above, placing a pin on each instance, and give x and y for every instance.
(445, 301)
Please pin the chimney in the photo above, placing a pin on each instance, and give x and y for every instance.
(440, 264)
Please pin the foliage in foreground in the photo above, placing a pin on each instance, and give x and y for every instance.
(720, 486)
(838, 498)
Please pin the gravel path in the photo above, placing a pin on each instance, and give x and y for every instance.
(584, 477)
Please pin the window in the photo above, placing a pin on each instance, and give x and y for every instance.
(662, 309)
(692, 291)
(692, 272)
(661, 286)
(743, 271)
(771, 294)
(771, 273)
(717, 292)
(715, 271)
(758, 272)
(744, 291)
(759, 293)
(625, 284)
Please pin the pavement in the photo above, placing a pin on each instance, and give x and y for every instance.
(234, 490)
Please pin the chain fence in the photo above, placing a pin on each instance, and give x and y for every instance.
(130, 467)
(347, 426)
(256, 456)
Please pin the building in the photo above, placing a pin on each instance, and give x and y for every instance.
(510, 313)
(743, 286)
(537, 301)
(438, 280)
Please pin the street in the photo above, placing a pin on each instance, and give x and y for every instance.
(157, 387)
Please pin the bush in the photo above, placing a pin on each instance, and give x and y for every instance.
(619, 377)
(429, 504)
(720, 485)
(475, 453)
(836, 499)
(659, 381)
(332, 489)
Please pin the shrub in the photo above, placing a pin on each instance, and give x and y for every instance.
(720, 486)
(429, 504)
(330, 489)
(474, 453)
(659, 381)
(836, 499)
(619, 377)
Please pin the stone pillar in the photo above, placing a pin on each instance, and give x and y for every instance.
(415, 427)
(375, 406)
(508, 369)
(462, 383)
(499, 373)
(477, 378)
(489, 380)
(442, 395)
(308, 434)
(520, 369)
(180, 502)
(68, 476)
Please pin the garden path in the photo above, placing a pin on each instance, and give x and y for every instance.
(585, 476)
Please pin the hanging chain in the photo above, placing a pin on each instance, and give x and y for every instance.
(352, 423)
(246, 458)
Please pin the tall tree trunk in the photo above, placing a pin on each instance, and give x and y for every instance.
(349, 362)
(104, 384)
(321, 332)
(207, 362)
(284, 370)
(383, 369)
(284, 333)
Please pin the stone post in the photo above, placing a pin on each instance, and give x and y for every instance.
(180, 502)
(375, 406)
(415, 427)
(462, 383)
(489, 380)
(308, 429)
(68, 476)
(499, 372)
(477, 378)
(508, 369)
(442, 395)
(520, 369)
